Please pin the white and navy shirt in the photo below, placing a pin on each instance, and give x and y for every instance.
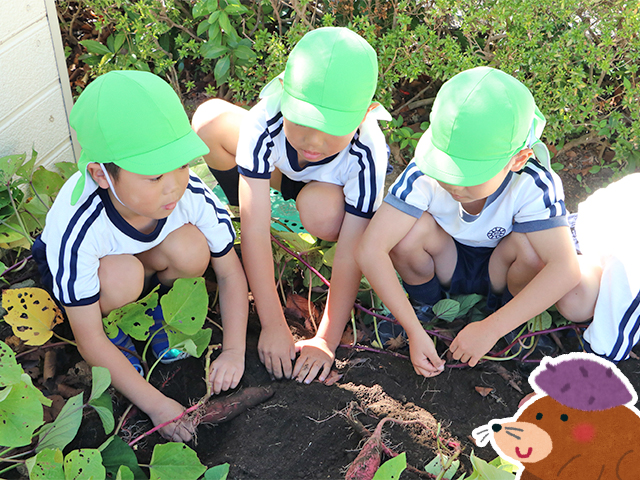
(527, 201)
(360, 168)
(77, 236)
(607, 229)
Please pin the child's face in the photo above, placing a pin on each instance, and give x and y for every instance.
(476, 192)
(150, 196)
(313, 145)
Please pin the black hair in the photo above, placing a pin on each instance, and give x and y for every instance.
(113, 169)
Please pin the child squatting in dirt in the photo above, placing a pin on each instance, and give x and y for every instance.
(313, 136)
(133, 217)
(475, 212)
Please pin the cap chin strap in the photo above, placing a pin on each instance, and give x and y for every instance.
(113, 190)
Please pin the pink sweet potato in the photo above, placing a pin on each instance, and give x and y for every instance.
(366, 464)
(222, 410)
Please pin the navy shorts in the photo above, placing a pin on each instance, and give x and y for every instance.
(471, 274)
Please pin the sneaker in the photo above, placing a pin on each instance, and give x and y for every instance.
(124, 340)
(160, 342)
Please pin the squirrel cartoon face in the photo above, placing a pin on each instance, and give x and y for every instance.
(580, 425)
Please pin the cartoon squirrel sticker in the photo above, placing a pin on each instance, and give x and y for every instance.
(580, 425)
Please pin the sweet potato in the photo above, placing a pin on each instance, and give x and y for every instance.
(366, 464)
(222, 410)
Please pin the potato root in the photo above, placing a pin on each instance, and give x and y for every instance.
(222, 410)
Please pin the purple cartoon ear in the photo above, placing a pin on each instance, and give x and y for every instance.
(583, 384)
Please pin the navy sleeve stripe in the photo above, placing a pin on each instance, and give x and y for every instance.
(358, 213)
(84, 208)
(264, 145)
(73, 267)
(251, 174)
(403, 187)
(544, 180)
(221, 214)
(226, 250)
(626, 325)
(367, 186)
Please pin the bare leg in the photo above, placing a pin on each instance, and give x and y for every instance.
(513, 264)
(427, 250)
(121, 281)
(324, 222)
(217, 123)
(183, 254)
(579, 304)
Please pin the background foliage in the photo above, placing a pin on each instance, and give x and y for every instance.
(580, 58)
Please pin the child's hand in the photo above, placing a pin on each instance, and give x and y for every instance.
(226, 371)
(181, 430)
(424, 356)
(315, 357)
(472, 343)
(276, 350)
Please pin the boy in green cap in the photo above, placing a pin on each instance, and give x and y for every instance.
(478, 210)
(132, 217)
(314, 136)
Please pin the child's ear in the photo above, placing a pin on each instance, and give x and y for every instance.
(520, 159)
(97, 174)
(373, 106)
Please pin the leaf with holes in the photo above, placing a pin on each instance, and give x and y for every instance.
(21, 412)
(31, 313)
(84, 463)
(185, 306)
(132, 319)
(46, 465)
(10, 371)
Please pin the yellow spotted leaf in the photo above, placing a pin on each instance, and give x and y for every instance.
(31, 313)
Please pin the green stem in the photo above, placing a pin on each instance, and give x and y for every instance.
(15, 209)
(64, 339)
(10, 468)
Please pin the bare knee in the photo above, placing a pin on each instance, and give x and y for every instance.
(188, 252)
(579, 304)
(514, 263)
(321, 207)
(217, 123)
(121, 281)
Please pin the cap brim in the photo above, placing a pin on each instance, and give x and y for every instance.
(166, 158)
(451, 170)
(326, 120)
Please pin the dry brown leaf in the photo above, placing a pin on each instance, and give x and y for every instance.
(484, 391)
(347, 336)
(396, 343)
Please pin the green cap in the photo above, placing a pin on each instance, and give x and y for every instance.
(135, 120)
(329, 80)
(480, 119)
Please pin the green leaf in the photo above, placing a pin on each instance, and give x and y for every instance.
(117, 453)
(301, 243)
(483, 471)
(20, 413)
(100, 381)
(26, 169)
(85, 463)
(212, 50)
(225, 24)
(219, 472)
(467, 302)
(214, 19)
(594, 169)
(125, 473)
(104, 407)
(540, 322)
(66, 169)
(435, 467)
(175, 460)
(446, 309)
(132, 318)
(94, 46)
(504, 465)
(10, 371)
(47, 182)
(202, 27)
(194, 345)
(244, 53)
(46, 465)
(9, 166)
(221, 70)
(233, 9)
(185, 305)
(392, 468)
(65, 427)
(329, 255)
(120, 38)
